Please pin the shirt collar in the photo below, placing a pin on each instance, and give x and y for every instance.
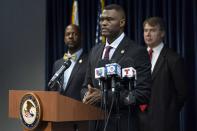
(116, 42)
(78, 53)
(157, 48)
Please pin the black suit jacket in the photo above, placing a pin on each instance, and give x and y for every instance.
(138, 58)
(76, 79)
(168, 93)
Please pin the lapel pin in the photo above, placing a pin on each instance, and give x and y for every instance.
(122, 51)
(80, 61)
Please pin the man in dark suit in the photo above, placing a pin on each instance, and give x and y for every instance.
(72, 79)
(122, 51)
(168, 90)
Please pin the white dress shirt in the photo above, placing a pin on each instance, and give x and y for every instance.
(114, 45)
(68, 72)
(155, 54)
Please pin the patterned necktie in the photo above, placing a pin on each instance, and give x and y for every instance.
(150, 52)
(68, 56)
(107, 50)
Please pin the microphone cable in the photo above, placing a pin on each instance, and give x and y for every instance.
(101, 106)
(109, 114)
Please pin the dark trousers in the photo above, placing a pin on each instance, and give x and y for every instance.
(125, 124)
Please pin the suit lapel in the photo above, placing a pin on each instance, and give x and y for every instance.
(121, 50)
(75, 70)
(98, 56)
(159, 63)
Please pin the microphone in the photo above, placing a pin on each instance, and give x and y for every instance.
(113, 71)
(100, 75)
(129, 73)
(56, 76)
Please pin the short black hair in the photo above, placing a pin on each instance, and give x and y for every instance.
(116, 7)
(75, 26)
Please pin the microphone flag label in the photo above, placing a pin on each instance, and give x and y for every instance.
(113, 69)
(100, 73)
(128, 72)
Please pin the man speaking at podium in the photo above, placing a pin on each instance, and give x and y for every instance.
(121, 50)
(70, 83)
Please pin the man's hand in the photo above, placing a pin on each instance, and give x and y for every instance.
(92, 96)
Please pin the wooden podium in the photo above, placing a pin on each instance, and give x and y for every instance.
(59, 113)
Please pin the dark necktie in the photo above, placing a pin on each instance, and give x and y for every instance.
(107, 50)
(150, 52)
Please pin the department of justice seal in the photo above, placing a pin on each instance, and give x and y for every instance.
(30, 111)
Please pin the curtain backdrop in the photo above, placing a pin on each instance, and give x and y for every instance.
(181, 35)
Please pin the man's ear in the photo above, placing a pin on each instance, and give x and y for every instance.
(122, 22)
(163, 34)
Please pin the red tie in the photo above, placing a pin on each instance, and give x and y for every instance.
(107, 50)
(150, 52)
(143, 107)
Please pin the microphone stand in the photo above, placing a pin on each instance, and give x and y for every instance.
(104, 90)
(105, 96)
(131, 86)
(129, 108)
(116, 95)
